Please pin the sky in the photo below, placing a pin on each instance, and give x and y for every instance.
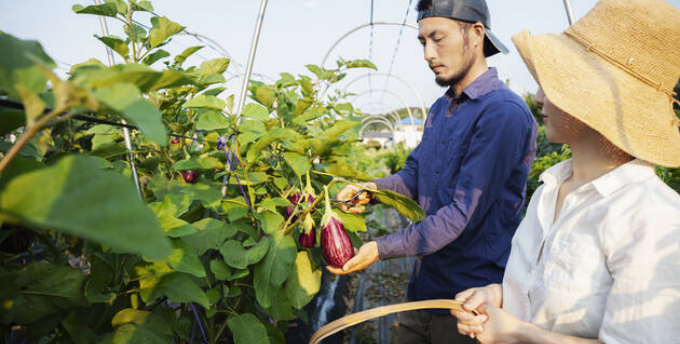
(296, 33)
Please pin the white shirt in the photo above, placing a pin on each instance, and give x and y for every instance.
(609, 267)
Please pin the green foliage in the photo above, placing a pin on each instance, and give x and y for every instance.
(145, 258)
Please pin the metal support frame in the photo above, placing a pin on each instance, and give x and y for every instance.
(126, 131)
(374, 121)
(570, 13)
(246, 79)
(420, 99)
(348, 33)
(378, 104)
(408, 109)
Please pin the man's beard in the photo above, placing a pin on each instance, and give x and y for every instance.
(460, 75)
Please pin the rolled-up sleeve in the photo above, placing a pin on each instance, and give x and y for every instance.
(496, 147)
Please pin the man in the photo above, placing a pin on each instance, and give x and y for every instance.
(468, 173)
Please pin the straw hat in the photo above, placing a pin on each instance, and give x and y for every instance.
(615, 70)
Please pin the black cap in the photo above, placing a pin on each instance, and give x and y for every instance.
(470, 11)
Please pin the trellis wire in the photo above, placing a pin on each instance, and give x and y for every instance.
(396, 48)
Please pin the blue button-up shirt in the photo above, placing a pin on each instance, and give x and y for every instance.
(469, 175)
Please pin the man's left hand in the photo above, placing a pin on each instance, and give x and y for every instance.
(363, 258)
(500, 328)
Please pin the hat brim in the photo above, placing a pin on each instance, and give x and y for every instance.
(493, 45)
(632, 115)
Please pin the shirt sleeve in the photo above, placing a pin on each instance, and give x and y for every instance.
(496, 148)
(643, 304)
(405, 181)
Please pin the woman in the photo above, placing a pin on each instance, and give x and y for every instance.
(597, 257)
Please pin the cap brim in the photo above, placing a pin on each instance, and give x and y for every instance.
(493, 45)
(632, 115)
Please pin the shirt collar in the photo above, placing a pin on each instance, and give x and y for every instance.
(606, 184)
(479, 87)
(632, 171)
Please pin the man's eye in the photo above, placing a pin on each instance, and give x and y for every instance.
(437, 39)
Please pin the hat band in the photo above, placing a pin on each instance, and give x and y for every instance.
(590, 47)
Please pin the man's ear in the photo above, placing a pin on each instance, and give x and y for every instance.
(477, 32)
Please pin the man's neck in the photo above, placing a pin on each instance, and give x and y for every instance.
(594, 156)
(478, 68)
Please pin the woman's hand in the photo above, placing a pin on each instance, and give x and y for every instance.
(468, 323)
(500, 328)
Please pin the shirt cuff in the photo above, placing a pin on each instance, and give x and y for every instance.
(391, 246)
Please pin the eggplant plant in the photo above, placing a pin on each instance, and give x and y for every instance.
(87, 258)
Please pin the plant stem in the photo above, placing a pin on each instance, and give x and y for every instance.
(30, 132)
(132, 32)
(311, 207)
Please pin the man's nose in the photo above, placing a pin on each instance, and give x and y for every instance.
(429, 52)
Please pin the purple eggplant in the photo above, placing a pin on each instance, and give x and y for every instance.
(336, 246)
(190, 176)
(294, 200)
(307, 237)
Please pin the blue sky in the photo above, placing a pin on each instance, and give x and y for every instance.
(296, 33)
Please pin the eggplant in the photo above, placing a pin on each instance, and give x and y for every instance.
(190, 176)
(294, 199)
(336, 246)
(307, 237)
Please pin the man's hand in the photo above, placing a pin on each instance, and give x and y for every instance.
(363, 258)
(356, 206)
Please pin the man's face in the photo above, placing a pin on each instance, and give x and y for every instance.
(447, 49)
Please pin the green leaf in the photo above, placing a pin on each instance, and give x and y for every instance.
(360, 63)
(20, 66)
(117, 44)
(155, 56)
(211, 234)
(310, 115)
(214, 66)
(271, 203)
(265, 96)
(247, 329)
(281, 308)
(299, 163)
(142, 318)
(263, 142)
(144, 6)
(137, 326)
(220, 269)
(198, 163)
(303, 282)
(238, 257)
(185, 259)
(318, 71)
(275, 267)
(211, 121)
(338, 128)
(270, 221)
(352, 222)
(186, 53)
(67, 197)
(256, 111)
(10, 120)
(205, 102)
(163, 28)
(106, 9)
(126, 99)
(141, 75)
(209, 196)
(178, 287)
(402, 204)
(45, 289)
(75, 325)
(344, 169)
(18, 166)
